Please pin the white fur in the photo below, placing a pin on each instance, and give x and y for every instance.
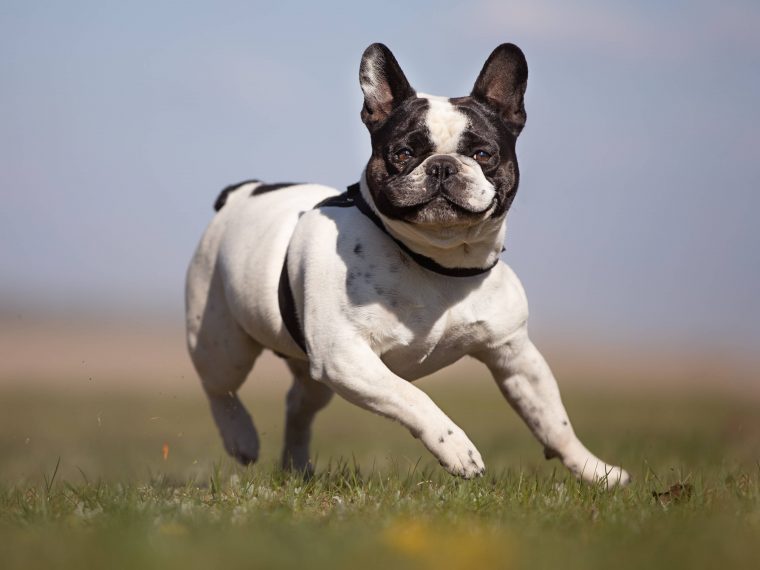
(371, 79)
(474, 245)
(445, 123)
(470, 245)
(372, 319)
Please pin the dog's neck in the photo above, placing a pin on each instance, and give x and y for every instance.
(463, 246)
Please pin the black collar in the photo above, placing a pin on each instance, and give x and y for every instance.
(353, 197)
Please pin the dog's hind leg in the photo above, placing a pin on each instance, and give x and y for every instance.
(223, 354)
(305, 398)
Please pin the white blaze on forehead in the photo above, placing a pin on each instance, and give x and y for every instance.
(445, 123)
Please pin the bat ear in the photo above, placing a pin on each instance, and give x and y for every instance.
(383, 83)
(501, 84)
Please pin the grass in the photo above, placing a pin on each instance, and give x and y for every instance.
(84, 483)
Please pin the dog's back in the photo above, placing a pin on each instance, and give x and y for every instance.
(239, 259)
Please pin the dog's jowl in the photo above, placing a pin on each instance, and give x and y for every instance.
(364, 291)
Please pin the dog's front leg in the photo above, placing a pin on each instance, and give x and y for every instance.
(528, 384)
(359, 376)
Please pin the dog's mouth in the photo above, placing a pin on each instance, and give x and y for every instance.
(456, 202)
(428, 195)
(441, 208)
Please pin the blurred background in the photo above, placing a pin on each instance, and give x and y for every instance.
(634, 231)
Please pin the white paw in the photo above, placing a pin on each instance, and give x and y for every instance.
(598, 472)
(614, 477)
(455, 452)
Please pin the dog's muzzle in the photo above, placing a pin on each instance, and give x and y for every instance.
(444, 177)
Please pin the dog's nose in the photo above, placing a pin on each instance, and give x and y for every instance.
(442, 167)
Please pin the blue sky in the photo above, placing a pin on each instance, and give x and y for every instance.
(640, 161)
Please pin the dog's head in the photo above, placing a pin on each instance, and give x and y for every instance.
(438, 161)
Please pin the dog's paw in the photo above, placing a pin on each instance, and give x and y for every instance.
(614, 477)
(245, 451)
(595, 471)
(242, 444)
(236, 428)
(295, 459)
(455, 452)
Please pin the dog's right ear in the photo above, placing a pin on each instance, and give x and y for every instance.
(383, 83)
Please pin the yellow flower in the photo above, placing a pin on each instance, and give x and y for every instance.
(461, 546)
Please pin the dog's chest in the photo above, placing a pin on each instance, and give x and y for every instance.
(416, 321)
(360, 287)
(441, 345)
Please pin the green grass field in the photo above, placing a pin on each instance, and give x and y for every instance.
(378, 499)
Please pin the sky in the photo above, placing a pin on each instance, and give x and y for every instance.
(640, 160)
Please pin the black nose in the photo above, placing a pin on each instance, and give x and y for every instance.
(442, 167)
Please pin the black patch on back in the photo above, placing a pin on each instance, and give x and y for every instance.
(221, 200)
(264, 188)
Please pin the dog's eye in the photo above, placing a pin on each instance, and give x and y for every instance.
(404, 155)
(481, 156)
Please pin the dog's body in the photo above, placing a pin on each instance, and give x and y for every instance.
(396, 280)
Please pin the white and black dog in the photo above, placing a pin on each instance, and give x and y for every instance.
(364, 291)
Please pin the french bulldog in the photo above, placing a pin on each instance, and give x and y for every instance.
(365, 291)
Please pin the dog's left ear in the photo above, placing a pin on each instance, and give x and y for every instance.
(383, 83)
(501, 84)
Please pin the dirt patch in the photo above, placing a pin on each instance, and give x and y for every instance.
(136, 355)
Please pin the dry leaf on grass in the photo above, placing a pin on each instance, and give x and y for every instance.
(675, 494)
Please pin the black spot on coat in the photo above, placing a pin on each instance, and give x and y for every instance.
(221, 200)
(264, 188)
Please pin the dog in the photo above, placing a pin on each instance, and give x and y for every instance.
(363, 292)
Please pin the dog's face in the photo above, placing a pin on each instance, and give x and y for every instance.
(438, 161)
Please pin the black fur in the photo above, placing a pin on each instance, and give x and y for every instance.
(496, 136)
(501, 85)
(221, 200)
(264, 188)
(288, 307)
(345, 200)
(496, 112)
(391, 88)
(260, 189)
(352, 197)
